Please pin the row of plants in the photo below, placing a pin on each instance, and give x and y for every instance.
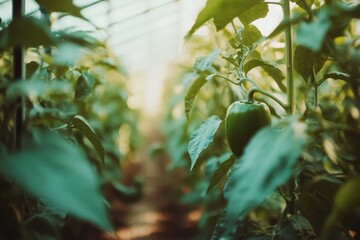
(269, 125)
(73, 108)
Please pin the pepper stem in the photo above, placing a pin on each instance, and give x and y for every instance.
(250, 97)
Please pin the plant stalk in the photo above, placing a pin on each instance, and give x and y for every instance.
(290, 91)
(289, 59)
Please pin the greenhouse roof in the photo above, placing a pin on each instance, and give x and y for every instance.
(141, 32)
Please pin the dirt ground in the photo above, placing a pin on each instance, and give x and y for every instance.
(157, 215)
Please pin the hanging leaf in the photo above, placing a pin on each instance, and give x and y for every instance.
(312, 35)
(273, 71)
(267, 163)
(250, 35)
(222, 11)
(53, 169)
(26, 32)
(80, 124)
(192, 92)
(201, 138)
(64, 6)
(287, 22)
(204, 64)
(305, 60)
(221, 172)
(253, 13)
(84, 86)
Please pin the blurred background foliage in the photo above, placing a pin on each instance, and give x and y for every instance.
(77, 129)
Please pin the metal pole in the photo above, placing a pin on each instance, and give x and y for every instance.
(18, 11)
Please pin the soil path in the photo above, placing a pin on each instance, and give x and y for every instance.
(157, 215)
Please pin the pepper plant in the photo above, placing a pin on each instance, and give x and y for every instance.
(52, 175)
(306, 162)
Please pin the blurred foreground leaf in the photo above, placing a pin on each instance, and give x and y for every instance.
(267, 163)
(26, 32)
(53, 169)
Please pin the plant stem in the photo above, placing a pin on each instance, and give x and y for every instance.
(259, 90)
(289, 59)
(243, 79)
(314, 83)
(19, 74)
(236, 32)
(227, 79)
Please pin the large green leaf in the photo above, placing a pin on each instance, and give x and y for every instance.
(316, 200)
(80, 123)
(267, 163)
(201, 138)
(287, 22)
(253, 13)
(305, 60)
(53, 169)
(272, 70)
(222, 11)
(192, 92)
(26, 32)
(312, 35)
(347, 202)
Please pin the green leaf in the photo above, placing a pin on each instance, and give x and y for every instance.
(273, 71)
(31, 68)
(34, 88)
(80, 123)
(53, 169)
(316, 200)
(253, 13)
(192, 92)
(222, 11)
(64, 6)
(204, 64)
(287, 22)
(300, 224)
(84, 86)
(337, 75)
(305, 60)
(347, 199)
(304, 4)
(250, 35)
(26, 32)
(267, 163)
(201, 138)
(221, 172)
(312, 35)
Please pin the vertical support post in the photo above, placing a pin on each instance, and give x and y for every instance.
(18, 10)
